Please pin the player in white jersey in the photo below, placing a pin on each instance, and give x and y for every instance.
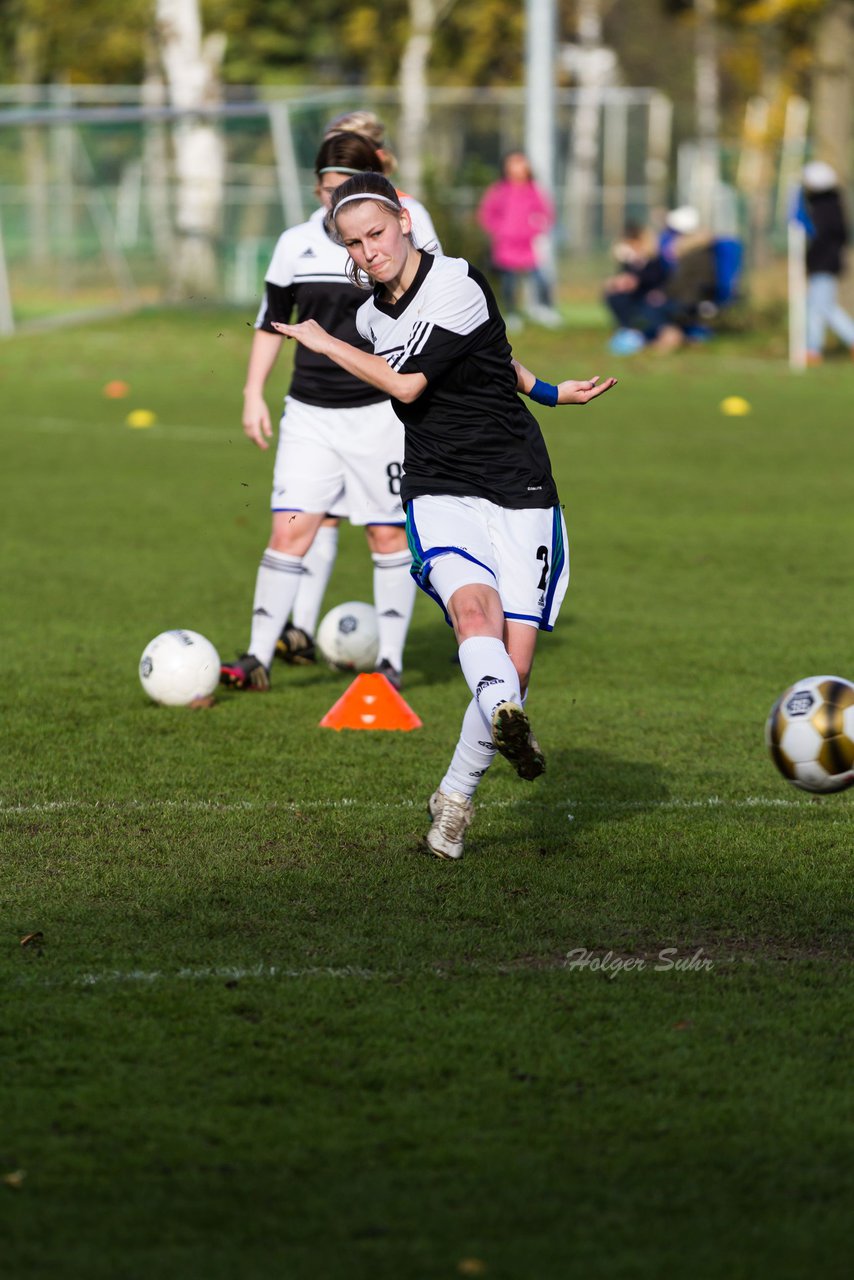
(485, 527)
(295, 645)
(369, 126)
(340, 444)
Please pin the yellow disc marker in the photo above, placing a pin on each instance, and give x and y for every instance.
(141, 418)
(735, 406)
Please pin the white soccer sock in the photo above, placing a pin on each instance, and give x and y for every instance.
(394, 597)
(275, 591)
(489, 673)
(473, 755)
(317, 566)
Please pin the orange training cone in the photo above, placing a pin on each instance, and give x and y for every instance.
(371, 703)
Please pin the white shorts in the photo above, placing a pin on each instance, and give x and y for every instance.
(523, 554)
(343, 462)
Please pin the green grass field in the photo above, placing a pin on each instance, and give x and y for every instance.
(261, 1034)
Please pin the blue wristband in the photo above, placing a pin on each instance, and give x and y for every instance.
(543, 393)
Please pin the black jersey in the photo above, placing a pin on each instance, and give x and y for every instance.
(308, 271)
(468, 433)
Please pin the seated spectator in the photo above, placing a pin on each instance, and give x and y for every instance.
(691, 288)
(634, 294)
(682, 221)
(665, 295)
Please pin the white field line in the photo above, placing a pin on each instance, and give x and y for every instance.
(274, 972)
(704, 804)
(216, 973)
(224, 973)
(46, 424)
(689, 958)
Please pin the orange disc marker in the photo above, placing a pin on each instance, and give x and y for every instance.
(116, 390)
(371, 702)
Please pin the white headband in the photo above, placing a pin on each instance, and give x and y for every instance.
(366, 195)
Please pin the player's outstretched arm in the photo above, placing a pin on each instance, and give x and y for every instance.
(362, 364)
(571, 391)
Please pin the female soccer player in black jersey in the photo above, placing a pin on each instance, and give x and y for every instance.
(485, 528)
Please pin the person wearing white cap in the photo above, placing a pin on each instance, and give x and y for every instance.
(827, 236)
(684, 220)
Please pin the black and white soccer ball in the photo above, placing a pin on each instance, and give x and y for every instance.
(810, 733)
(348, 638)
(179, 667)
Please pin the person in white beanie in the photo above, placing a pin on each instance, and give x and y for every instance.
(827, 237)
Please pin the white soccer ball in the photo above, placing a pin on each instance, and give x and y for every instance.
(178, 667)
(348, 638)
(810, 733)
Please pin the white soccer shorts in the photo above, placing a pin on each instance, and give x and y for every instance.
(342, 462)
(523, 554)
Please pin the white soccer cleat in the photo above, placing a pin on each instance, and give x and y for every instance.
(451, 813)
(512, 735)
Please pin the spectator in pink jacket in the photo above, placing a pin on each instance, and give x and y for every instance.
(513, 212)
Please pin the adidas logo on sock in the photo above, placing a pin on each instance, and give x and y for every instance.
(261, 612)
(485, 683)
(487, 746)
(391, 613)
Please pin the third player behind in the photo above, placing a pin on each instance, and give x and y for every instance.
(340, 442)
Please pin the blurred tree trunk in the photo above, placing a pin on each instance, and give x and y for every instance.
(584, 157)
(155, 168)
(28, 71)
(424, 18)
(831, 86)
(192, 64)
(707, 97)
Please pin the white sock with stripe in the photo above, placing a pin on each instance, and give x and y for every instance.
(394, 598)
(275, 591)
(489, 673)
(473, 755)
(317, 564)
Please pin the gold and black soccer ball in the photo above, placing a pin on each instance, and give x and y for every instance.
(810, 733)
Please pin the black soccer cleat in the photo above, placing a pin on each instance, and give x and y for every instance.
(394, 677)
(295, 646)
(246, 673)
(512, 735)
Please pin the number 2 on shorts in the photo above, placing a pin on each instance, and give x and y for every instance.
(543, 554)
